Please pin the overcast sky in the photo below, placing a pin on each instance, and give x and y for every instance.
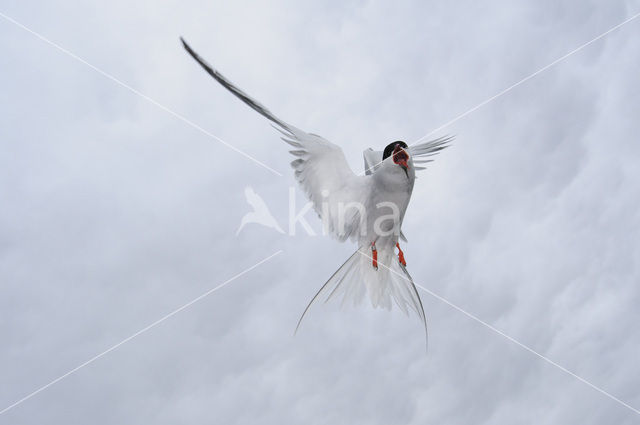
(114, 213)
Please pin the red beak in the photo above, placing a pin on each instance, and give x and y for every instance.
(401, 157)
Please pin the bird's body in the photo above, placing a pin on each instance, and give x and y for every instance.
(367, 209)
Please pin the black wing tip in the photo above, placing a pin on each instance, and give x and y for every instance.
(186, 46)
(208, 68)
(448, 139)
(191, 51)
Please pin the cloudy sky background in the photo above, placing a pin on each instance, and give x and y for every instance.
(114, 213)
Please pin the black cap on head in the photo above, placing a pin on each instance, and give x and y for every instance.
(390, 147)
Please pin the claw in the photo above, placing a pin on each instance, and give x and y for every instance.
(401, 255)
(374, 254)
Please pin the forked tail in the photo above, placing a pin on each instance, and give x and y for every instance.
(390, 284)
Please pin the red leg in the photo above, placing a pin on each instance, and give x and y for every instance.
(401, 255)
(374, 254)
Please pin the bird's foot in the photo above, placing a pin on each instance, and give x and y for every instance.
(374, 255)
(401, 255)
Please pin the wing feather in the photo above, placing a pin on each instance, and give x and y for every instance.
(320, 168)
(421, 152)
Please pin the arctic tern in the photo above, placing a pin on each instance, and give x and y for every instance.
(368, 209)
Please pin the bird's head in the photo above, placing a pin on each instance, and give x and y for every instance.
(399, 155)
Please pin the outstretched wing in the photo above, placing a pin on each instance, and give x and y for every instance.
(320, 166)
(418, 154)
(421, 152)
(372, 160)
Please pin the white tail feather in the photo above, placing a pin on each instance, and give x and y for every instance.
(389, 284)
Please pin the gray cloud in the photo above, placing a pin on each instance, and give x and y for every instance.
(114, 213)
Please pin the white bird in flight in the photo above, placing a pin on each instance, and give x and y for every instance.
(367, 209)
